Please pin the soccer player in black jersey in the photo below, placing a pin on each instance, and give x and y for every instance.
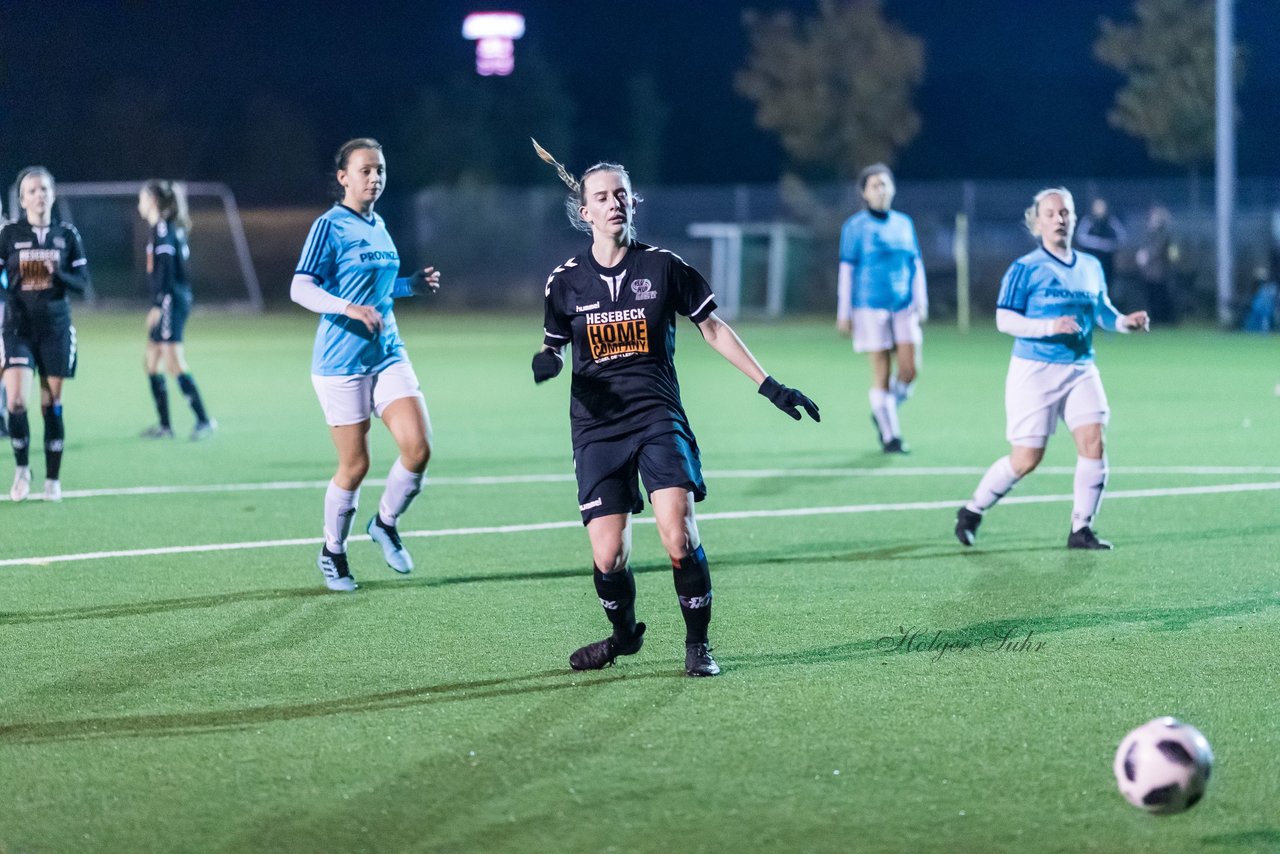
(616, 304)
(44, 262)
(164, 207)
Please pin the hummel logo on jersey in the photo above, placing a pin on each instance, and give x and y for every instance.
(643, 289)
(591, 307)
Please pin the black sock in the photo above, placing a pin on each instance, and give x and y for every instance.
(188, 386)
(19, 436)
(617, 592)
(693, 586)
(160, 394)
(54, 433)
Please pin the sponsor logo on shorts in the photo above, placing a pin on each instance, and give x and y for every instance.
(19, 360)
(643, 289)
(615, 334)
(593, 503)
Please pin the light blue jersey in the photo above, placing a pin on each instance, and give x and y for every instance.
(883, 253)
(1041, 287)
(355, 259)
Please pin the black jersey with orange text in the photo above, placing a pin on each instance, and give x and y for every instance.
(621, 324)
(35, 293)
(167, 256)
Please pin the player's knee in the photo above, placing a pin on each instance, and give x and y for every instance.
(611, 558)
(679, 541)
(353, 470)
(1024, 462)
(907, 373)
(416, 456)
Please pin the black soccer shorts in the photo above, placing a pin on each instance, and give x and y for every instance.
(607, 471)
(174, 310)
(49, 349)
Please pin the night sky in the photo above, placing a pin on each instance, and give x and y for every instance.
(261, 96)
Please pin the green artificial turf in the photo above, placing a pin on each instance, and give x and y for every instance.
(225, 701)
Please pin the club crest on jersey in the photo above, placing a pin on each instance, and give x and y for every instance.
(643, 289)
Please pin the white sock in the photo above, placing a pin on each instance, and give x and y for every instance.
(402, 487)
(995, 484)
(901, 391)
(884, 407)
(339, 512)
(1091, 481)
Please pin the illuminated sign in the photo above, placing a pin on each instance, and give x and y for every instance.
(494, 34)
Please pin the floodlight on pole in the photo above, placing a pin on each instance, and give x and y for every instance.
(494, 34)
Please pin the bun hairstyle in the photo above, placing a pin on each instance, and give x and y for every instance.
(344, 154)
(171, 201)
(1030, 214)
(576, 199)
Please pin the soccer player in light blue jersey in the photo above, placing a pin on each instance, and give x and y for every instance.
(348, 274)
(882, 298)
(1050, 301)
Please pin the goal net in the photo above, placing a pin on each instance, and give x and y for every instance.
(115, 238)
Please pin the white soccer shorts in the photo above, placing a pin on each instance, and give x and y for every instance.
(352, 399)
(1038, 394)
(877, 329)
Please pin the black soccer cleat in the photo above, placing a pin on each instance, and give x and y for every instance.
(698, 660)
(599, 655)
(895, 446)
(1085, 538)
(967, 523)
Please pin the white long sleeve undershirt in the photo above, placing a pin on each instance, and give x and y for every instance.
(1020, 326)
(307, 293)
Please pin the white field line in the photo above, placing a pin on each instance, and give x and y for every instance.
(727, 474)
(847, 509)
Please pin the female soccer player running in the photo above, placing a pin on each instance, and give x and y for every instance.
(44, 262)
(1050, 301)
(163, 205)
(617, 303)
(882, 298)
(359, 366)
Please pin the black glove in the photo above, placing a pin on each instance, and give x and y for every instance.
(547, 364)
(787, 399)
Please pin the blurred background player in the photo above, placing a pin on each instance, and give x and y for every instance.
(617, 303)
(44, 261)
(882, 297)
(1050, 300)
(1101, 234)
(359, 367)
(4, 297)
(163, 205)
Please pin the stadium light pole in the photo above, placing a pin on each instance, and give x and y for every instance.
(1225, 165)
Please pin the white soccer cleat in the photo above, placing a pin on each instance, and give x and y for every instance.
(21, 484)
(53, 490)
(393, 551)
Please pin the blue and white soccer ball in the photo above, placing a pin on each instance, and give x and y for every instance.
(1163, 766)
